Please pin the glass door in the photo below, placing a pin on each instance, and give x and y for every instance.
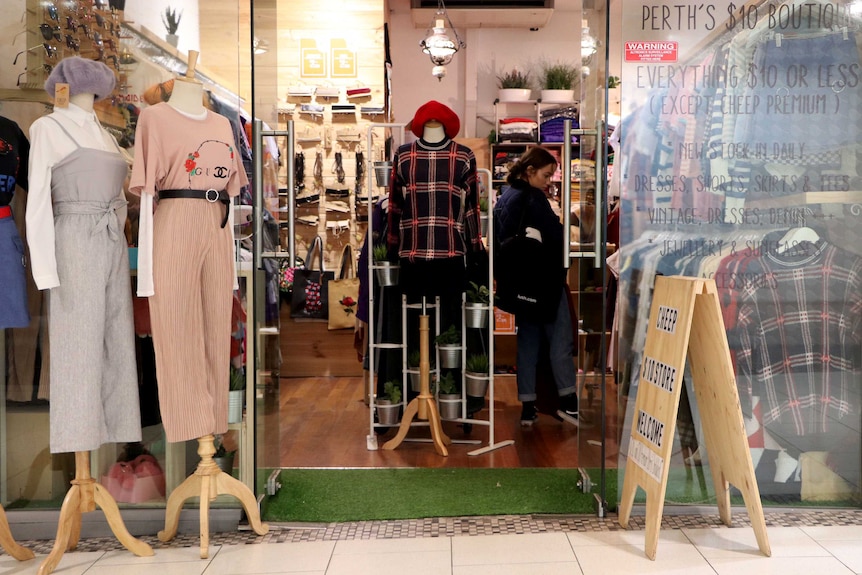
(584, 191)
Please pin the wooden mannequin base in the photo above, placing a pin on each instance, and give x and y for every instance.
(9, 545)
(83, 497)
(440, 439)
(208, 482)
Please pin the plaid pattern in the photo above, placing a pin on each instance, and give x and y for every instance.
(799, 336)
(428, 219)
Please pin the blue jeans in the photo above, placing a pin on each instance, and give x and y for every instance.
(558, 333)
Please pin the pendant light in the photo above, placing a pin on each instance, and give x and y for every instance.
(438, 45)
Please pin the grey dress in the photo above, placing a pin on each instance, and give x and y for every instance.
(94, 388)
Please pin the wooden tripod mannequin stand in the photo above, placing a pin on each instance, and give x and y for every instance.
(422, 406)
(9, 545)
(208, 482)
(83, 497)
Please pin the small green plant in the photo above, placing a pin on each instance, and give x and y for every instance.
(237, 379)
(171, 20)
(413, 358)
(514, 79)
(477, 363)
(380, 252)
(447, 384)
(614, 82)
(559, 76)
(392, 391)
(449, 337)
(483, 205)
(478, 294)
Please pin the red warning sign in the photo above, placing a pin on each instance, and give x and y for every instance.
(664, 51)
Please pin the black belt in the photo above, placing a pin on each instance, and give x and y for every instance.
(211, 195)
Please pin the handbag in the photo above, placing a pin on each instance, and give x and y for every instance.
(309, 299)
(523, 272)
(344, 293)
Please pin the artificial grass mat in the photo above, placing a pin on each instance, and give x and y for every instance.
(339, 495)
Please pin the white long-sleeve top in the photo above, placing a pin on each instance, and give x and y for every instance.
(48, 146)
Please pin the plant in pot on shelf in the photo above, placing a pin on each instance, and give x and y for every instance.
(413, 369)
(513, 86)
(389, 405)
(386, 271)
(236, 395)
(476, 374)
(223, 457)
(559, 81)
(449, 347)
(171, 20)
(476, 307)
(449, 398)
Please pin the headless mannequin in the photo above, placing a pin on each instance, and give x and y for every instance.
(85, 493)
(208, 481)
(433, 132)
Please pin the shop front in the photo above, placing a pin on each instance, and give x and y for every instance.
(688, 144)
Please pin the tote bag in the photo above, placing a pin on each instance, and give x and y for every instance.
(309, 300)
(344, 293)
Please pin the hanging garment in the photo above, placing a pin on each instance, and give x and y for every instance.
(192, 263)
(94, 394)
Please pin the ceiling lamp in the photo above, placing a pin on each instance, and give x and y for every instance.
(438, 45)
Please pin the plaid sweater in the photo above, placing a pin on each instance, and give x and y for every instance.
(434, 201)
(800, 338)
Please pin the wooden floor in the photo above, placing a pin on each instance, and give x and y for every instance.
(324, 422)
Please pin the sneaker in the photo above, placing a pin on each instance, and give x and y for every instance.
(528, 414)
(569, 409)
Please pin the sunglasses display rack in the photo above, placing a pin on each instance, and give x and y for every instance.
(58, 29)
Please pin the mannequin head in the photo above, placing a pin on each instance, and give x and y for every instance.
(84, 76)
(84, 101)
(435, 116)
(187, 96)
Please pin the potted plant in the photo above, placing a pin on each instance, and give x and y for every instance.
(558, 82)
(476, 374)
(235, 395)
(389, 405)
(171, 20)
(448, 399)
(513, 86)
(476, 307)
(449, 348)
(223, 457)
(386, 271)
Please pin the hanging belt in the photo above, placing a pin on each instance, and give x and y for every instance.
(211, 195)
(5, 212)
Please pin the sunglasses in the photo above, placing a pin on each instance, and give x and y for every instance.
(50, 51)
(53, 13)
(72, 43)
(47, 68)
(50, 32)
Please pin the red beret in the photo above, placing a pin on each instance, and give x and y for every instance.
(434, 110)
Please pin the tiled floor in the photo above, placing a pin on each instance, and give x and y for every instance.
(803, 542)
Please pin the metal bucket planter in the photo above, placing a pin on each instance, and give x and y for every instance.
(477, 383)
(476, 315)
(388, 413)
(415, 381)
(234, 405)
(387, 273)
(449, 405)
(382, 173)
(225, 462)
(450, 356)
(483, 225)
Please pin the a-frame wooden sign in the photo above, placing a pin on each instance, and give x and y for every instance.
(685, 320)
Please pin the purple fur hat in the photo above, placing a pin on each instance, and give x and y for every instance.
(84, 76)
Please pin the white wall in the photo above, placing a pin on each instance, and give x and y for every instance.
(470, 85)
(149, 15)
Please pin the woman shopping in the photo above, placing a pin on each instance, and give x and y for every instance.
(535, 284)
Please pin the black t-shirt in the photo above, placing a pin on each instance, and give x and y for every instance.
(14, 156)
